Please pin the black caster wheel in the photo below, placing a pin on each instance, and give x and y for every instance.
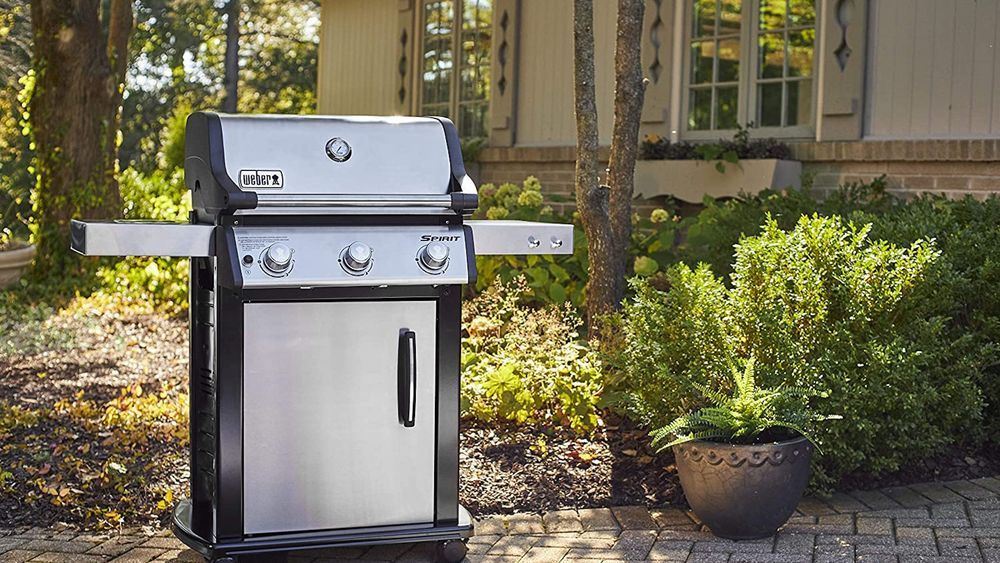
(222, 560)
(451, 551)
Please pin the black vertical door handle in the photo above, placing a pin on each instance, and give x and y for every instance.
(407, 378)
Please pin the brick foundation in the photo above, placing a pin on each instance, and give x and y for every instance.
(953, 167)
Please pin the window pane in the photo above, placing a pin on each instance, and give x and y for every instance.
(702, 54)
(730, 17)
(438, 59)
(771, 55)
(700, 109)
(799, 102)
(472, 120)
(800, 52)
(704, 18)
(729, 60)
(477, 15)
(769, 105)
(727, 101)
(772, 14)
(801, 12)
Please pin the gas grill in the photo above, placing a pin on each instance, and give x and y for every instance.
(328, 256)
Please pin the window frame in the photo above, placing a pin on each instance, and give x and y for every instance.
(747, 83)
(455, 102)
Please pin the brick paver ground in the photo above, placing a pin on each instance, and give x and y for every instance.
(936, 522)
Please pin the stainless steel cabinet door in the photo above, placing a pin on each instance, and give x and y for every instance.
(324, 444)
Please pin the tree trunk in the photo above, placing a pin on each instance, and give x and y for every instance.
(629, 89)
(591, 198)
(75, 110)
(232, 74)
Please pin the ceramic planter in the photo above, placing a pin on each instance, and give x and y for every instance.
(692, 180)
(13, 263)
(744, 492)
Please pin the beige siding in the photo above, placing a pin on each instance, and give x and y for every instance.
(934, 69)
(545, 72)
(358, 57)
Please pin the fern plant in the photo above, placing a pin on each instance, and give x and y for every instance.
(751, 414)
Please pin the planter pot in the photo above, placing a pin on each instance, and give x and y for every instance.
(744, 492)
(13, 263)
(692, 180)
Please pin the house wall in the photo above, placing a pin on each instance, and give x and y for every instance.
(934, 70)
(545, 72)
(922, 80)
(358, 50)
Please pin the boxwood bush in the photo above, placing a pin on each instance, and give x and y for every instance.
(822, 306)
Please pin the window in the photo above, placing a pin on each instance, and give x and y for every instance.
(455, 59)
(751, 60)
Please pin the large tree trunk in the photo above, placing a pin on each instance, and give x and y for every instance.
(75, 112)
(591, 197)
(232, 68)
(629, 89)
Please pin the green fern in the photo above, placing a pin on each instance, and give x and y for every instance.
(745, 416)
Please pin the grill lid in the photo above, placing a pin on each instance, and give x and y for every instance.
(283, 164)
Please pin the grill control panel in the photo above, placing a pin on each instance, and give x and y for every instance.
(306, 257)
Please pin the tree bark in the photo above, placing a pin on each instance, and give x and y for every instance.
(606, 211)
(232, 62)
(75, 110)
(629, 90)
(591, 197)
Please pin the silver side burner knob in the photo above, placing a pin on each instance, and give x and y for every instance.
(434, 257)
(277, 258)
(357, 258)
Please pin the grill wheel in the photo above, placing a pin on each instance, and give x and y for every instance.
(451, 551)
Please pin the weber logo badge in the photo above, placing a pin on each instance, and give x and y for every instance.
(261, 179)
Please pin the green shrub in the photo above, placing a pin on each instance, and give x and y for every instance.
(711, 235)
(161, 282)
(825, 308)
(527, 365)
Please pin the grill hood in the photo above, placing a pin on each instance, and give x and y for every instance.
(252, 164)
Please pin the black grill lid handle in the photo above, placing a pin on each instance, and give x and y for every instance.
(407, 378)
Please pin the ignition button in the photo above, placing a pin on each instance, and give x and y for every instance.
(248, 260)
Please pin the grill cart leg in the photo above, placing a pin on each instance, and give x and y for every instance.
(451, 551)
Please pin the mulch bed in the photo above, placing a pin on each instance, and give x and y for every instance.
(504, 468)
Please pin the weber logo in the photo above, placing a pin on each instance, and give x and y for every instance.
(432, 238)
(261, 179)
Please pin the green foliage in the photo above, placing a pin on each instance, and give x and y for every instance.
(750, 415)
(16, 153)
(558, 279)
(161, 282)
(552, 279)
(527, 365)
(821, 307)
(177, 57)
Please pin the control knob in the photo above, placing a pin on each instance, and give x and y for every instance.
(433, 257)
(277, 258)
(356, 258)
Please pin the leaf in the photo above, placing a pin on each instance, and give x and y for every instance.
(645, 266)
(557, 293)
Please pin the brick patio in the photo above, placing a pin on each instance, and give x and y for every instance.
(953, 521)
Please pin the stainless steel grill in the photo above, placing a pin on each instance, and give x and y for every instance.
(328, 256)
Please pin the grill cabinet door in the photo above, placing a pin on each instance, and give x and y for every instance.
(324, 445)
